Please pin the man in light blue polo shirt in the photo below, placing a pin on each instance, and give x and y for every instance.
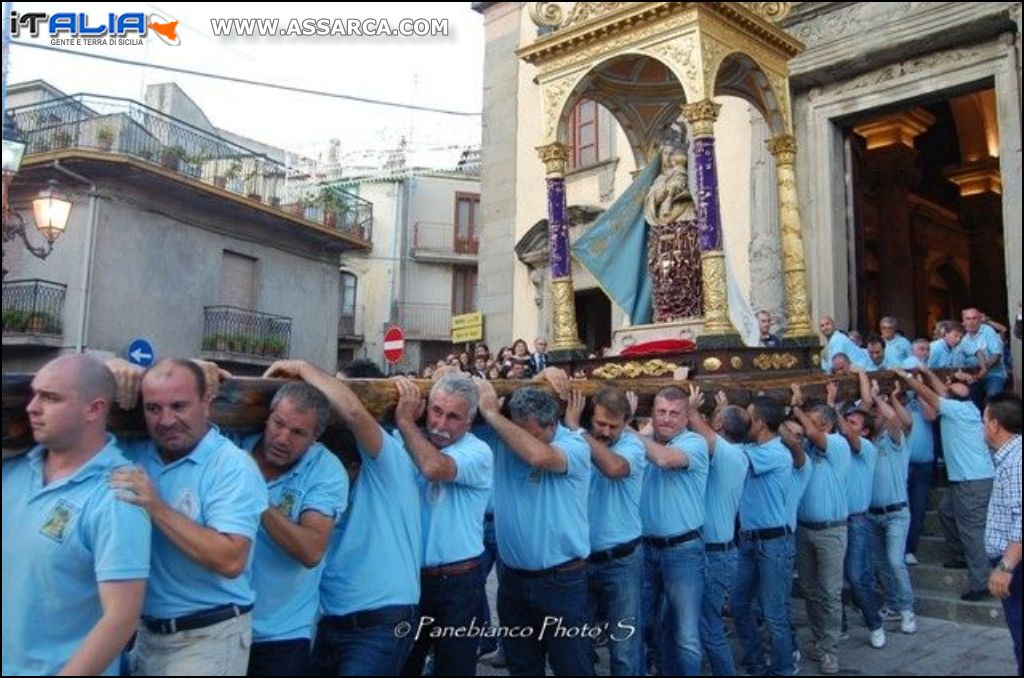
(75, 559)
(921, 444)
(727, 471)
(308, 491)
(821, 532)
(889, 515)
(672, 510)
(765, 564)
(837, 342)
(541, 481)
(615, 566)
(969, 465)
(205, 497)
(456, 470)
(945, 351)
(982, 347)
(897, 347)
(370, 586)
(919, 352)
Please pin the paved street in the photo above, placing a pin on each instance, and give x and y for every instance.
(938, 648)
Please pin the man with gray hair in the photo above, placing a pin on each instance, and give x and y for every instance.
(897, 347)
(541, 483)
(455, 473)
(308, 491)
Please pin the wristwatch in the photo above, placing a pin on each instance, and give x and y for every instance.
(1003, 566)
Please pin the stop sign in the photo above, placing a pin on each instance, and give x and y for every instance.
(394, 344)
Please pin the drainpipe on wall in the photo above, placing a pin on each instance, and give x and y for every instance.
(90, 238)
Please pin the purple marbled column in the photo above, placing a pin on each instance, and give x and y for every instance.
(709, 222)
(558, 230)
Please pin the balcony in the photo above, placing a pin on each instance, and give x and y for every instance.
(232, 334)
(33, 313)
(426, 321)
(350, 327)
(436, 243)
(129, 129)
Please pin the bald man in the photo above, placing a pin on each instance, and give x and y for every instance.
(75, 558)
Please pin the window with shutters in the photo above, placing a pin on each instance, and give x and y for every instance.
(238, 280)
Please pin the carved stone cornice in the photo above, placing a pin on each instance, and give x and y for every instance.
(897, 128)
(975, 178)
(594, 24)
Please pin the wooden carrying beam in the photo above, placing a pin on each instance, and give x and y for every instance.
(243, 403)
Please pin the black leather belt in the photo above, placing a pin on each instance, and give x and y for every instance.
(451, 569)
(619, 551)
(214, 615)
(384, 616)
(767, 533)
(719, 547)
(823, 525)
(665, 542)
(889, 508)
(567, 566)
(858, 514)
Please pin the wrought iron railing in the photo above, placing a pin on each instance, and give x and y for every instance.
(228, 329)
(431, 236)
(126, 127)
(426, 321)
(33, 307)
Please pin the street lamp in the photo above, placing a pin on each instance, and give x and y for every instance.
(51, 207)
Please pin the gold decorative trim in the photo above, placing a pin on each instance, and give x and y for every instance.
(565, 336)
(546, 13)
(736, 362)
(711, 364)
(772, 11)
(555, 157)
(632, 370)
(794, 270)
(702, 115)
(715, 289)
(775, 361)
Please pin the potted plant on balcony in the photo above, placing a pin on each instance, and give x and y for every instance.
(274, 348)
(40, 322)
(15, 320)
(170, 156)
(61, 139)
(105, 138)
(334, 207)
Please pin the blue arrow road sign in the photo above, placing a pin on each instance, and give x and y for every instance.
(140, 352)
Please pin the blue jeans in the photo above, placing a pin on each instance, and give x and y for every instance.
(487, 560)
(673, 591)
(370, 651)
(1012, 610)
(860, 570)
(543, 616)
(446, 603)
(615, 597)
(919, 484)
(718, 579)
(279, 658)
(764, 567)
(889, 539)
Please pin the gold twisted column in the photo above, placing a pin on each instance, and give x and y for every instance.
(794, 269)
(565, 335)
(716, 300)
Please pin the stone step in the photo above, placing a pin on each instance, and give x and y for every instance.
(943, 605)
(931, 550)
(931, 524)
(928, 576)
(935, 496)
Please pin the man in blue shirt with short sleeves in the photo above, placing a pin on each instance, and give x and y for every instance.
(946, 352)
(308, 489)
(982, 347)
(370, 585)
(205, 497)
(615, 564)
(672, 509)
(837, 342)
(821, 533)
(969, 465)
(541, 481)
(765, 563)
(75, 558)
(897, 347)
(727, 470)
(456, 470)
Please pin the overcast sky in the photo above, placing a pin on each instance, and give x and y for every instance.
(435, 71)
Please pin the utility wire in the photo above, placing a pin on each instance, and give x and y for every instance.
(245, 81)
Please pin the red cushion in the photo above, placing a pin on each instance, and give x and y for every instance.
(660, 346)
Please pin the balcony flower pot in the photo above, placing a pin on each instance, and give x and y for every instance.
(105, 139)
